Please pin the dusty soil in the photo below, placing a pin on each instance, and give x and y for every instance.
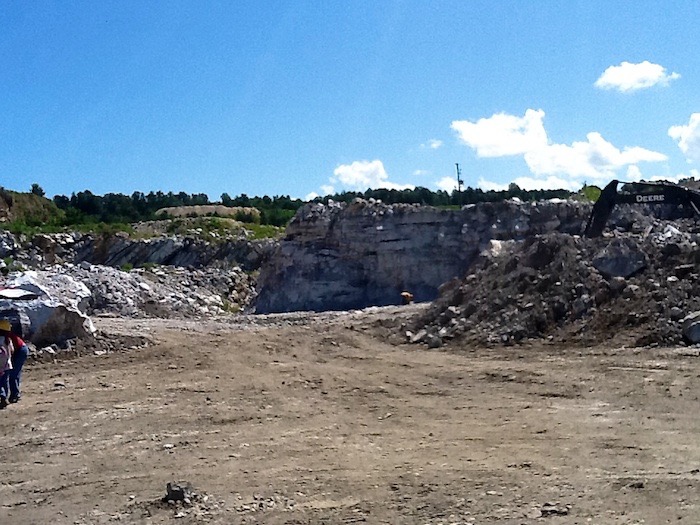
(319, 419)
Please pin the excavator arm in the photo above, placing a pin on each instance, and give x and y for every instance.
(638, 193)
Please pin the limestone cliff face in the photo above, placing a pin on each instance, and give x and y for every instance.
(119, 249)
(173, 251)
(362, 254)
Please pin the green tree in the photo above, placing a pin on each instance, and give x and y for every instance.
(38, 190)
(226, 199)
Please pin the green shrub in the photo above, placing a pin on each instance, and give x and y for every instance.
(264, 231)
(589, 193)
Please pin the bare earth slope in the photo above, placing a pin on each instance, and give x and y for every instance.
(291, 421)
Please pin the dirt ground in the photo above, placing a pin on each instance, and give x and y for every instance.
(324, 421)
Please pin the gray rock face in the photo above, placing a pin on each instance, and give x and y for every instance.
(339, 256)
(691, 328)
(119, 249)
(174, 275)
(620, 258)
(172, 251)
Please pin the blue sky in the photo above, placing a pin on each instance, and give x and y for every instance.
(312, 97)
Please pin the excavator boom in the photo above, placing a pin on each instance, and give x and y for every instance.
(638, 193)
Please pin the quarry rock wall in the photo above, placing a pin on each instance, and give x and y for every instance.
(338, 256)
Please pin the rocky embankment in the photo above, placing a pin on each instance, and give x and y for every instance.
(120, 250)
(161, 276)
(339, 257)
(499, 273)
(632, 288)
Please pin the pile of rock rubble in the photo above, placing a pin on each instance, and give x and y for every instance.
(163, 291)
(636, 287)
(65, 288)
(153, 290)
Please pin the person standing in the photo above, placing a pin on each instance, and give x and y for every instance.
(5, 367)
(20, 352)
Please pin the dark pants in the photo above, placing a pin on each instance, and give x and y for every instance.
(15, 375)
(5, 384)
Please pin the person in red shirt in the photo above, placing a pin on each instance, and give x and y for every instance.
(19, 356)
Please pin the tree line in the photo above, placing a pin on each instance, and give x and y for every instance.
(469, 195)
(85, 207)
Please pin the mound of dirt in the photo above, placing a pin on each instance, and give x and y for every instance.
(626, 288)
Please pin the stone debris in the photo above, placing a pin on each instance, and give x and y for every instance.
(179, 491)
(554, 509)
(157, 292)
(164, 291)
(151, 245)
(44, 319)
(159, 276)
(181, 502)
(636, 288)
(201, 280)
(260, 503)
(184, 502)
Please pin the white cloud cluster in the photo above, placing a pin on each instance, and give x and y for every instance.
(688, 137)
(561, 165)
(501, 135)
(362, 175)
(448, 184)
(628, 77)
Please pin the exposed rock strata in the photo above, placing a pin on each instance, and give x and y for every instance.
(339, 256)
(172, 251)
(120, 249)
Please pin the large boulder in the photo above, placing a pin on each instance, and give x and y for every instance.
(691, 328)
(54, 285)
(45, 321)
(620, 258)
(52, 313)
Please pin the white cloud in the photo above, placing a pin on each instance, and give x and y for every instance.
(674, 178)
(448, 184)
(364, 174)
(694, 174)
(688, 137)
(420, 173)
(503, 134)
(628, 77)
(508, 135)
(633, 174)
(326, 189)
(432, 144)
(488, 185)
(595, 158)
